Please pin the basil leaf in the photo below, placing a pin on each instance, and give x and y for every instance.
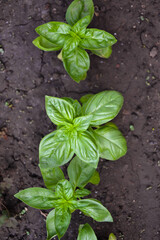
(86, 148)
(55, 149)
(111, 142)
(76, 62)
(94, 209)
(79, 173)
(86, 233)
(43, 44)
(37, 197)
(78, 9)
(62, 221)
(96, 39)
(71, 43)
(50, 225)
(104, 52)
(112, 237)
(103, 106)
(54, 32)
(64, 190)
(58, 110)
(80, 26)
(79, 193)
(85, 98)
(75, 104)
(95, 179)
(82, 123)
(51, 176)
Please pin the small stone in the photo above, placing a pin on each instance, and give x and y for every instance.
(153, 52)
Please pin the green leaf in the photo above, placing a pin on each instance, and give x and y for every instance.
(112, 144)
(86, 148)
(86, 233)
(82, 123)
(97, 39)
(55, 149)
(43, 44)
(79, 9)
(79, 173)
(76, 62)
(80, 26)
(51, 176)
(112, 237)
(64, 190)
(75, 104)
(36, 197)
(94, 209)
(62, 221)
(104, 52)
(95, 179)
(79, 193)
(103, 106)
(54, 32)
(85, 98)
(59, 110)
(50, 225)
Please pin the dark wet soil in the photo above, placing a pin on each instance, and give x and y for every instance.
(129, 187)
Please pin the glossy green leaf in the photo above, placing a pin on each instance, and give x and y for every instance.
(79, 173)
(43, 44)
(62, 221)
(78, 9)
(51, 176)
(79, 193)
(112, 144)
(112, 237)
(104, 52)
(54, 32)
(76, 62)
(85, 98)
(71, 43)
(36, 197)
(75, 104)
(55, 149)
(95, 179)
(80, 26)
(82, 123)
(103, 106)
(59, 110)
(50, 225)
(86, 148)
(64, 190)
(94, 209)
(86, 233)
(97, 39)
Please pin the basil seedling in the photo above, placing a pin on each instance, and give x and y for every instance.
(65, 197)
(84, 130)
(73, 38)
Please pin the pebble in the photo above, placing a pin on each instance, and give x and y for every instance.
(153, 52)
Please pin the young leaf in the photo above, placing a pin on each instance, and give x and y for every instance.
(82, 123)
(55, 149)
(78, 9)
(86, 148)
(112, 144)
(64, 190)
(95, 179)
(50, 225)
(36, 197)
(80, 26)
(104, 52)
(103, 107)
(79, 173)
(43, 44)
(54, 32)
(76, 62)
(75, 104)
(112, 237)
(62, 221)
(86, 233)
(97, 39)
(85, 98)
(79, 193)
(59, 111)
(51, 176)
(94, 209)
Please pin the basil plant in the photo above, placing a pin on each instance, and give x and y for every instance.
(84, 130)
(64, 197)
(74, 38)
(87, 233)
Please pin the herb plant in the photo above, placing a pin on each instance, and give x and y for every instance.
(73, 38)
(84, 130)
(65, 197)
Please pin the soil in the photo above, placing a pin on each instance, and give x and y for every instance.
(129, 187)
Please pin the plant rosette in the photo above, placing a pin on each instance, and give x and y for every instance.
(65, 197)
(74, 38)
(84, 130)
